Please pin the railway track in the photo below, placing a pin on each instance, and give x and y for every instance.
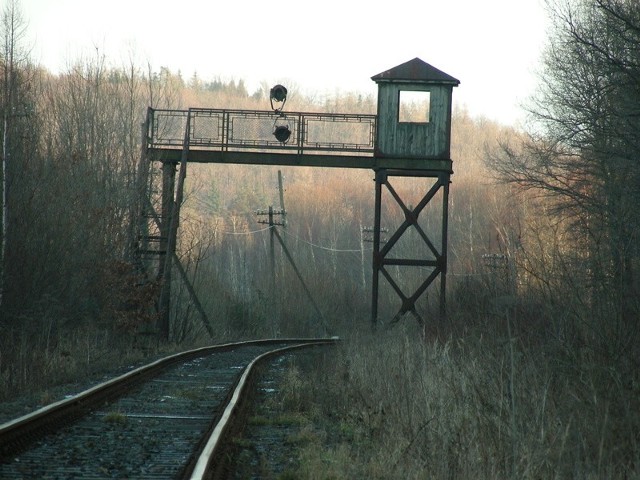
(165, 420)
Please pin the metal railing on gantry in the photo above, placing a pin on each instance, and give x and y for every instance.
(254, 130)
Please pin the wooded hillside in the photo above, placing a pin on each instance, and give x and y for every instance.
(543, 235)
(73, 149)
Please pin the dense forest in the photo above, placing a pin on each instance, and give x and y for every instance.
(537, 362)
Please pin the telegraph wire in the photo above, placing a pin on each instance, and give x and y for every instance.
(321, 247)
(337, 250)
(250, 232)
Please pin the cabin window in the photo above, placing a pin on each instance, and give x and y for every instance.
(414, 106)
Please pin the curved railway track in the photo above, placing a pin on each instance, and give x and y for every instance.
(165, 420)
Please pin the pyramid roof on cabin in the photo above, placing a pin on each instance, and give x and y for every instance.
(417, 71)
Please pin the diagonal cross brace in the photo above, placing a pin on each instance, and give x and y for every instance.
(408, 304)
(411, 218)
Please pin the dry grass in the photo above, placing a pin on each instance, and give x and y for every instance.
(486, 405)
(35, 358)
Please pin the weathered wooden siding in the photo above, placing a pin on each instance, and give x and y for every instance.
(414, 140)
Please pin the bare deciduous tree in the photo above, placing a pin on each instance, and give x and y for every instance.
(583, 154)
(13, 61)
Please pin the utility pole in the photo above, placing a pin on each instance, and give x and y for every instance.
(272, 257)
(281, 192)
(274, 235)
(282, 213)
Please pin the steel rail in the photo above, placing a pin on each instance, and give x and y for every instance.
(205, 465)
(18, 433)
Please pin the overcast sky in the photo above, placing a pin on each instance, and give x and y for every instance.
(492, 46)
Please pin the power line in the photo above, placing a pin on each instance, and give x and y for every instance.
(321, 247)
(250, 232)
(288, 233)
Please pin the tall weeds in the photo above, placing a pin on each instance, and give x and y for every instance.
(483, 405)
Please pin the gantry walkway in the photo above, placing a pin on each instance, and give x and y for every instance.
(343, 140)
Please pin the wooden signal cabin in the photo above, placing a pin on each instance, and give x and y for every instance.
(404, 133)
(413, 139)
